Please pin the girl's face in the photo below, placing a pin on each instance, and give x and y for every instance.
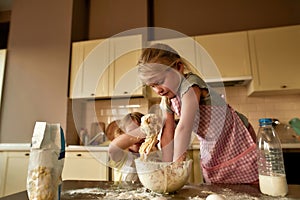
(167, 83)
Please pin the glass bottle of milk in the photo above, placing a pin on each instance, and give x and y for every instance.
(272, 179)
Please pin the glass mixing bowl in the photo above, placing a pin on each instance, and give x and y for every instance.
(163, 177)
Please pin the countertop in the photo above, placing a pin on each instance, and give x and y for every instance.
(26, 146)
(109, 190)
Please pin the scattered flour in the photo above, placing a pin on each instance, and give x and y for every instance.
(114, 194)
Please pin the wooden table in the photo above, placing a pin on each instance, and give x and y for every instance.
(98, 189)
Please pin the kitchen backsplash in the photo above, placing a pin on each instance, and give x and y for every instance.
(282, 107)
(100, 111)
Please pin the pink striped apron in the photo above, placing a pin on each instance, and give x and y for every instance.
(228, 152)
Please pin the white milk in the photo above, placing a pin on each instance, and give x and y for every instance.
(273, 185)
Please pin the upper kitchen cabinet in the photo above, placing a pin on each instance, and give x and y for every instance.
(228, 56)
(89, 69)
(125, 52)
(105, 67)
(185, 47)
(275, 60)
(2, 67)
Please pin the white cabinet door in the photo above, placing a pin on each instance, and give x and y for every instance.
(89, 69)
(106, 67)
(126, 52)
(275, 60)
(2, 67)
(75, 89)
(16, 168)
(2, 172)
(85, 166)
(95, 68)
(229, 52)
(196, 172)
(185, 47)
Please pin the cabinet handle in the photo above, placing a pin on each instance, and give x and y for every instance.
(79, 154)
(92, 94)
(125, 92)
(27, 154)
(283, 86)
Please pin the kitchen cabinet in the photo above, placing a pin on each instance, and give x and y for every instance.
(215, 57)
(185, 47)
(275, 60)
(229, 53)
(84, 165)
(105, 67)
(90, 60)
(2, 67)
(2, 172)
(126, 53)
(14, 168)
(88, 164)
(196, 172)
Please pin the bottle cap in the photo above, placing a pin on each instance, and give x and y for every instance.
(265, 121)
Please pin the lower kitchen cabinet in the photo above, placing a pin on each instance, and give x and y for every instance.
(196, 172)
(13, 169)
(86, 166)
(78, 165)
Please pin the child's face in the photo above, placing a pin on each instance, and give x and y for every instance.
(167, 84)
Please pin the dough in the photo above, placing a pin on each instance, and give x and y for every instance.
(215, 197)
(151, 126)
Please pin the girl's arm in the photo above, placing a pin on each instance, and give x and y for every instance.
(189, 108)
(124, 141)
(167, 138)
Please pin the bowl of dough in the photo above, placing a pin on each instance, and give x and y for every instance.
(163, 177)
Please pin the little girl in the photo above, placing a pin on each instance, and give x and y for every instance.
(124, 148)
(227, 139)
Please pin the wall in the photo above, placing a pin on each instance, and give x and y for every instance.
(193, 17)
(110, 17)
(36, 79)
(282, 107)
(88, 112)
(39, 44)
(198, 17)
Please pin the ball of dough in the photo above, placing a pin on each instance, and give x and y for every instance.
(215, 197)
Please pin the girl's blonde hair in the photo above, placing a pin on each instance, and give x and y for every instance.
(127, 119)
(117, 127)
(163, 56)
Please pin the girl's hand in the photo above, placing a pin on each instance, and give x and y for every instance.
(182, 157)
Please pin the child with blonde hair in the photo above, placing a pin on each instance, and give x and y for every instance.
(124, 148)
(227, 139)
